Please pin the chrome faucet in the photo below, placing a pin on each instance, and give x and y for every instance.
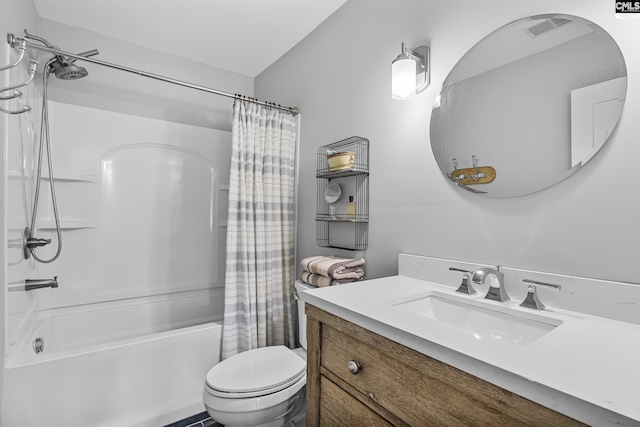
(495, 293)
(31, 284)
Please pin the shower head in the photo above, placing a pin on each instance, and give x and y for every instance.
(68, 70)
(65, 69)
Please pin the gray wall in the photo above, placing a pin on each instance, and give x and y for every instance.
(339, 77)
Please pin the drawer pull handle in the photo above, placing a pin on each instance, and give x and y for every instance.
(354, 367)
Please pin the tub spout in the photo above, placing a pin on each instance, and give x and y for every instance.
(31, 284)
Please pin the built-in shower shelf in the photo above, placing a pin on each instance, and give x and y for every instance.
(61, 176)
(51, 224)
(67, 224)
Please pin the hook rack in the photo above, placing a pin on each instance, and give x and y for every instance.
(33, 65)
(21, 45)
(473, 175)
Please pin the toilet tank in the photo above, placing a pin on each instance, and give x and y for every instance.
(302, 318)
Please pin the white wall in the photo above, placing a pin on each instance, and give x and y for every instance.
(124, 92)
(339, 77)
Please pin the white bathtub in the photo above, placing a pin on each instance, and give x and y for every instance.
(139, 362)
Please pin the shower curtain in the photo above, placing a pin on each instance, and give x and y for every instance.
(259, 307)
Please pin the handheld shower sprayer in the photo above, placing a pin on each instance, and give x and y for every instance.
(64, 68)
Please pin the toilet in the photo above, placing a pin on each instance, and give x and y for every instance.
(261, 387)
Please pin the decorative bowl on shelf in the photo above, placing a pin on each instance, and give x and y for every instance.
(341, 160)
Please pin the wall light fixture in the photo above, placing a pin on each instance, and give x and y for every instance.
(410, 72)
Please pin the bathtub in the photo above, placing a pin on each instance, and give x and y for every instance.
(139, 362)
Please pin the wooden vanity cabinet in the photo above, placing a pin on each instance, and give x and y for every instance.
(390, 384)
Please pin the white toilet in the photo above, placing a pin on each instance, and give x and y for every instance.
(262, 387)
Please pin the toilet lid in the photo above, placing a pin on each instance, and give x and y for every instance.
(257, 371)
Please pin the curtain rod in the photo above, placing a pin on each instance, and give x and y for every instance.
(292, 110)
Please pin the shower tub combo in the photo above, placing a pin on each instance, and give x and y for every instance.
(127, 337)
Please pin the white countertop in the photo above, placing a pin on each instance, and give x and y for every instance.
(587, 368)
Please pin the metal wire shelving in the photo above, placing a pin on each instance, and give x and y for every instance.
(336, 227)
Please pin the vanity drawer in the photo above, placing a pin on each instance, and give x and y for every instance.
(338, 408)
(391, 383)
(418, 390)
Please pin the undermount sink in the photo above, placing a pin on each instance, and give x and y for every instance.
(481, 319)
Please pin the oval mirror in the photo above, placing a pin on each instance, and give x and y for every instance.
(528, 105)
(332, 193)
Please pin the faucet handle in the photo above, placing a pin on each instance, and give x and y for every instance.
(465, 287)
(549, 285)
(532, 300)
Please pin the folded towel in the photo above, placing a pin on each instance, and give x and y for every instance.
(334, 267)
(322, 281)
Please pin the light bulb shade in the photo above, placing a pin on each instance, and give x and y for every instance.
(407, 70)
(403, 77)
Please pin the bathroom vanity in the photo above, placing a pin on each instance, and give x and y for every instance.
(357, 377)
(380, 353)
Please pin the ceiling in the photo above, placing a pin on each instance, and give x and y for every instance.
(243, 36)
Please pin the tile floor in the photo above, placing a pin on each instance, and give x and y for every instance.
(200, 420)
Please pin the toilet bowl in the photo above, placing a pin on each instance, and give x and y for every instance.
(263, 387)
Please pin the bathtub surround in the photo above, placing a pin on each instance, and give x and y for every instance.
(18, 15)
(167, 289)
(260, 231)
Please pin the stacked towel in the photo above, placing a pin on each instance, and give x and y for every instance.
(329, 270)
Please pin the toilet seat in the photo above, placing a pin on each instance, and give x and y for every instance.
(255, 373)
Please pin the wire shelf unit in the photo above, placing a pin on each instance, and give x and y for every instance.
(336, 227)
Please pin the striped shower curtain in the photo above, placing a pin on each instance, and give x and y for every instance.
(259, 278)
